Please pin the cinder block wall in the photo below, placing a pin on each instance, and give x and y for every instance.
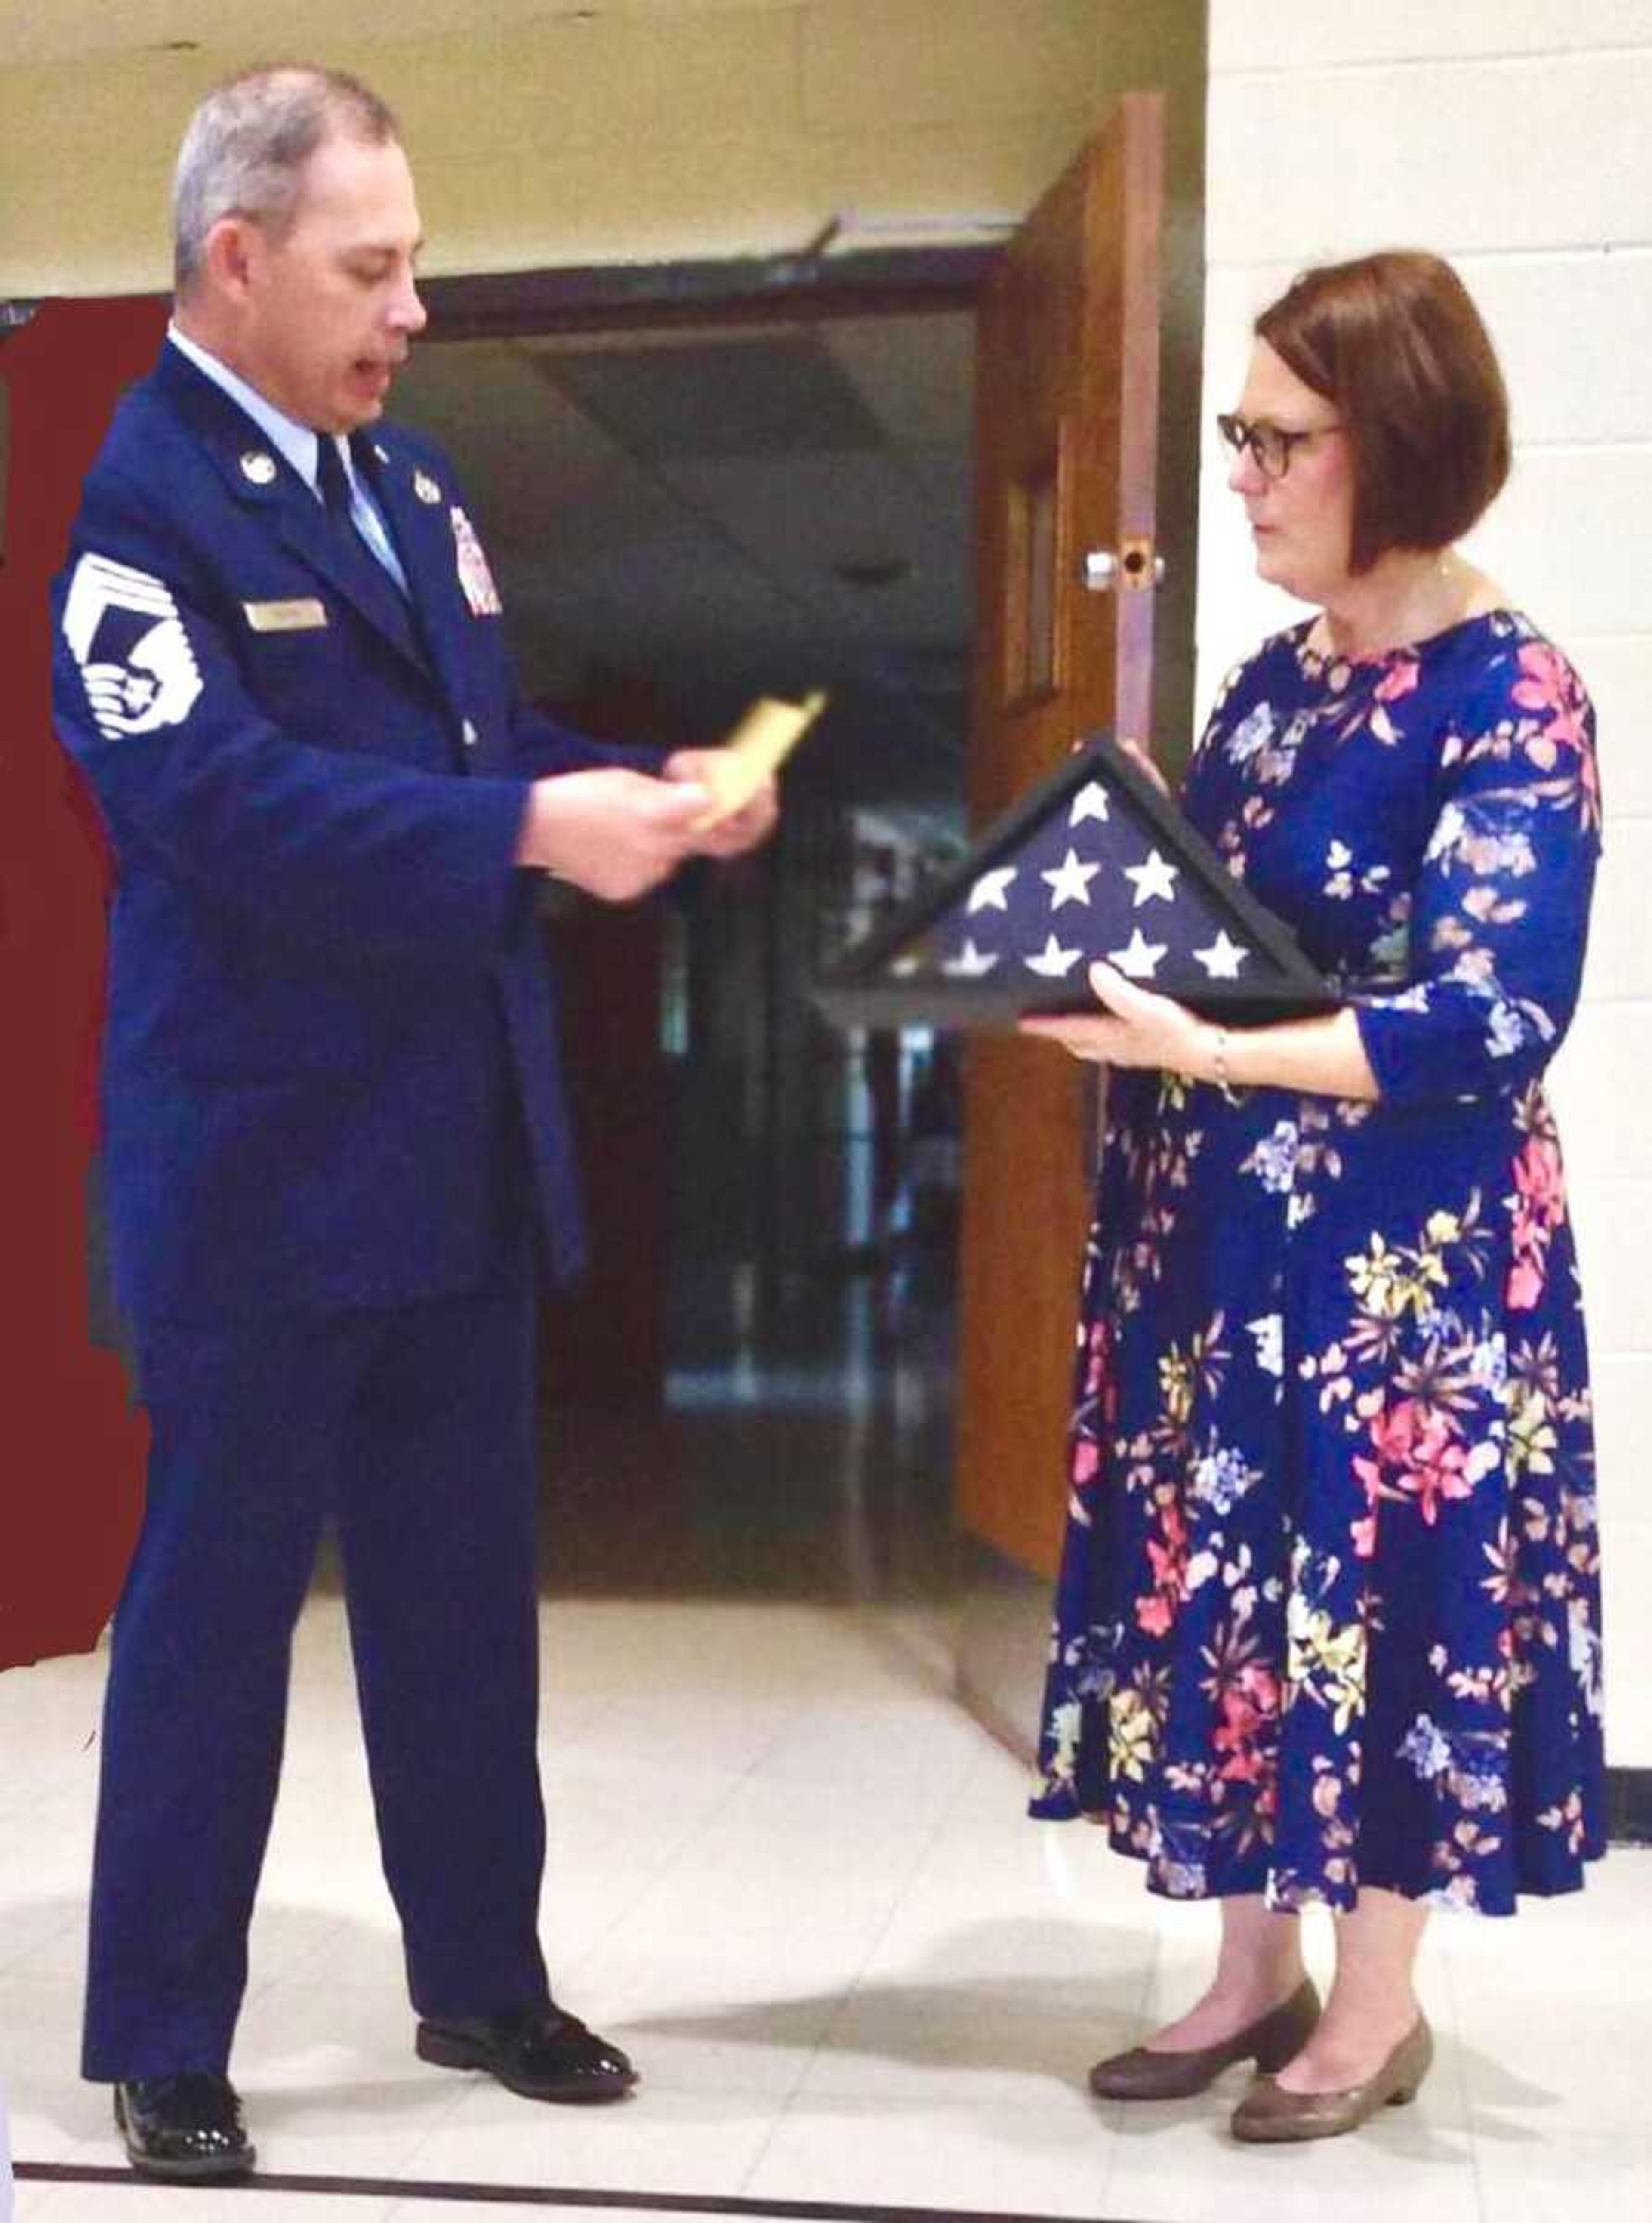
(1516, 136)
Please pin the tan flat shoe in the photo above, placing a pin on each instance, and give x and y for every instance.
(1268, 2115)
(1270, 2041)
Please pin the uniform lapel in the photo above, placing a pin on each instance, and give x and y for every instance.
(348, 564)
(418, 511)
(259, 478)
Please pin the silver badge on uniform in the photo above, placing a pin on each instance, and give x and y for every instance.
(475, 576)
(258, 467)
(426, 487)
(124, 632)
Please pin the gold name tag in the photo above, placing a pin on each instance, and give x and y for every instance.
(286, 617)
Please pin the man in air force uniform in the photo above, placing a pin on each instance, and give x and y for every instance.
(334, 1141)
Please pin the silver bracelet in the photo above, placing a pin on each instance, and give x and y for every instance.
(1220, 1063)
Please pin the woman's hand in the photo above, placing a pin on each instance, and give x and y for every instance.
(1144, 762)
(1134, 1027)
(1137, 756)
(1321, 1056)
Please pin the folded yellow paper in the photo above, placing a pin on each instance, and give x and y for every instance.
(756, 748)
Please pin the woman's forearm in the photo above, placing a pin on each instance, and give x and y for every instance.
(1133, 1027)
(1320, 1056)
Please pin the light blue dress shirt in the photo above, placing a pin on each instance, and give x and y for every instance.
(300, 445)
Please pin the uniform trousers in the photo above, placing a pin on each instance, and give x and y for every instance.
(412, 1429)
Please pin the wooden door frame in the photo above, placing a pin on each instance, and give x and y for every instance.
(666, 296)
(809, 287)
(707, 298)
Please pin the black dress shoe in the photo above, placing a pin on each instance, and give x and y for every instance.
(540, 2052)
(183, 2127)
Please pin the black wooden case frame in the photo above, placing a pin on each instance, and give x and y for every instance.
(895, 977)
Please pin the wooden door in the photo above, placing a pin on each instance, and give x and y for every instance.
(1067, 424)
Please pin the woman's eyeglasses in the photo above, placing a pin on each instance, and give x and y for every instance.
(1268, 445)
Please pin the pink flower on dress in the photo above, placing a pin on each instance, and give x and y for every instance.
(1250, 1708)
(1169, 1561)
(1397, 1430)
(1540, 1179)
(1539, 1208)
(1399, 679)
(1440, 1471)
(1419, 1455)
(1549, 686)
(1086, 1458)
(1154, 1616)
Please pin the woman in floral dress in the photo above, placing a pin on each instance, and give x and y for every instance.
(1328, 1625)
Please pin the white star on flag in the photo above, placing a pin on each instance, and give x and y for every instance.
(988, 892)
(1156, 877)
(1138, 960)
(1070, 881)
(1090, 803)
(970, 963)
(1053, 961)
(1222, 960)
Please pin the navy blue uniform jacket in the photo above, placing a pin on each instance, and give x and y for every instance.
(329, 1009)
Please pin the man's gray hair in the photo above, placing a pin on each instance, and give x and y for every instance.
(247, 145)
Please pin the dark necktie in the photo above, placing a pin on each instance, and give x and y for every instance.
(333, 482)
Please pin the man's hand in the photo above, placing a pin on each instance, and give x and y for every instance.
(742, 829)
(615, 834)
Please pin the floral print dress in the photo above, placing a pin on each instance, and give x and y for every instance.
(1328, 1609)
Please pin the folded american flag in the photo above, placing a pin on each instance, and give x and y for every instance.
(1096, 863)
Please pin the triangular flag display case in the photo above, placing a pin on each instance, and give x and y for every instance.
(1095, 862)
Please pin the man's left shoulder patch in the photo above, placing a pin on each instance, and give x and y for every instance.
(124, 631)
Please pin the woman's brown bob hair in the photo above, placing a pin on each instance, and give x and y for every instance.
(1395, 343)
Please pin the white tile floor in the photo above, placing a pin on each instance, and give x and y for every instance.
(796, 1882)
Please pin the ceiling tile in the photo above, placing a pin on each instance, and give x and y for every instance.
(782, 396)
(715, 571)
(915, 374)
